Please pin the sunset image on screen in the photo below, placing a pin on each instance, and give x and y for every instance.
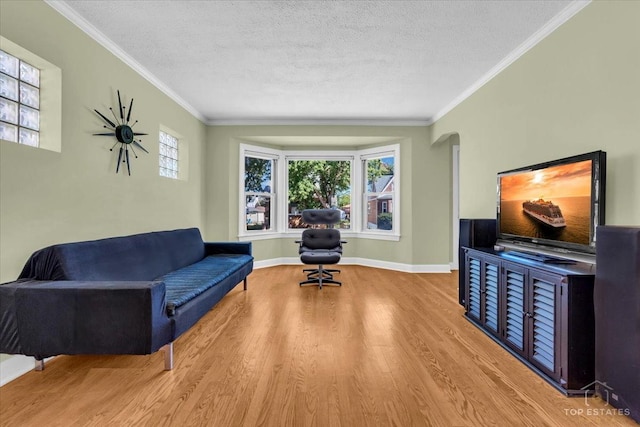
(552, 203)
(572, 180)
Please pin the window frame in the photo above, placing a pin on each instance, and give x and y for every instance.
(160, 156)
(276, 157)
(392, 150)
(183, 154)
(280, 199)
(20, 105)
(50, 127)
(335, 155)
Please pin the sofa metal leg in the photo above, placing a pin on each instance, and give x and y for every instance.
(245, 283)
(39, 365)
(168, 356)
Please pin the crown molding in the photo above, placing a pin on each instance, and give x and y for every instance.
(75, 18)
(566, 14)
(69, 13)
(318, 122)
(65, 10)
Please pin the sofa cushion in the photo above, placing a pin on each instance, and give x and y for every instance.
(137, 257)
(190, 312)
(187, 283)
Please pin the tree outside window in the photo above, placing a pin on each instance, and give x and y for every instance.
(319, 184)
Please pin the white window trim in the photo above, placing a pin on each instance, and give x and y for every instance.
(280, 228)
(377, 153)
(315, 155)
(277, 183)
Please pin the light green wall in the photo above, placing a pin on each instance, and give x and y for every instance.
(425, 190)
(576, 91)
(48, 197)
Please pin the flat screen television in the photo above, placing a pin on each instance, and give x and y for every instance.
(555, 205)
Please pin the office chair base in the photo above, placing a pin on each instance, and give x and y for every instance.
(320, 276)
(311, 271)
(319, 282)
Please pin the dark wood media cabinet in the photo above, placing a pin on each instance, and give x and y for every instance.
(541, 313)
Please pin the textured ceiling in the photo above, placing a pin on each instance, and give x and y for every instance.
(317, 61)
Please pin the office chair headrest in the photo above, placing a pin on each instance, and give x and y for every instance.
(321, 216)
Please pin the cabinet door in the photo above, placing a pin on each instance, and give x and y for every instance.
(490, 295)
(514, 313)
(474, 286)
(483, 278)
(544, 293)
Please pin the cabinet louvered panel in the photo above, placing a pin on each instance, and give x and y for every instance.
(474, 287)
(514, 328)
(543, 323)
(491, 312)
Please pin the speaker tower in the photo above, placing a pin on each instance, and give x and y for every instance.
(616, 300)
(474, 233)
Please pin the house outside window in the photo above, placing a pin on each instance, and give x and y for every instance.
(258, 192)
(19, 101)
(169, 155)
(380, 175)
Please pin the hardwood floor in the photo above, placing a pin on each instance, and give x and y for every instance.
(387, 348)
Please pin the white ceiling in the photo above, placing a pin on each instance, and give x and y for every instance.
(386, 62)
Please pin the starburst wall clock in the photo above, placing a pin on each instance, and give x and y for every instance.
(123, 133)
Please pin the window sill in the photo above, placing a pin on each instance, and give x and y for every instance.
(379, 236)
(259, 236)
(296, 235)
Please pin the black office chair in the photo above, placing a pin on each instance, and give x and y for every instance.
(320, 246)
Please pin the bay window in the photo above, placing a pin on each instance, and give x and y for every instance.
(277, 185)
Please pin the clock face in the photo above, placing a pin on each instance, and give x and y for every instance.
(121, 129)
(124, 134)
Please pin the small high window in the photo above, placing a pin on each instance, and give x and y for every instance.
(19, 101)
(168, 155)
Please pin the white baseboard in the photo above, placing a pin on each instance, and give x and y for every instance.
(274, 262)
(396, 266)
(15, 366)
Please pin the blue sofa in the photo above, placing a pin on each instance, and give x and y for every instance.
(123, 295)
